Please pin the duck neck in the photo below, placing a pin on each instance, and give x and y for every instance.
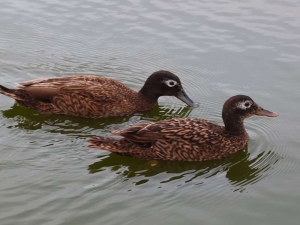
(148, 93)
(234, 124)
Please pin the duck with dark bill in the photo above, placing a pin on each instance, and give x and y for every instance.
(185, 139)
(95, 96)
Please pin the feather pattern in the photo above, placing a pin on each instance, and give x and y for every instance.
(175, 139)
(92, 96)
(184, 139)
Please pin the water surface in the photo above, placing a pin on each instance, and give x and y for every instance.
(48, 174)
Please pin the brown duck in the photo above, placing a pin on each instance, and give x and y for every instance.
(95, 96)
(186, 139)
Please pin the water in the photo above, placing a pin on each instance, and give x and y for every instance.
(48, 175)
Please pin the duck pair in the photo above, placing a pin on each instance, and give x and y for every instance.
(180, 139)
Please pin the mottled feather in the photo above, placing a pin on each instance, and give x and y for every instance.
(92, 96)
(184, 139)
(174, 139)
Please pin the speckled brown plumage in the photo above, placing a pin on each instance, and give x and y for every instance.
(186, 139)
(94, 96)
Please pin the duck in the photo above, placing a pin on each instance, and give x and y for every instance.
(93, 96)
(186, 139)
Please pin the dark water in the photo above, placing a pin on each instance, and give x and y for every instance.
(48, 175)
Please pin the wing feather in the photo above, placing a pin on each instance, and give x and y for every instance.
(88, 96)
(177, 129)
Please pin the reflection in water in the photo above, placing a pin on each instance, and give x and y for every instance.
(240, 169)
(65, 124)
(32, 120)
(162, 113)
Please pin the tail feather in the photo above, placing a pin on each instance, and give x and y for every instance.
(26, 100)
(9, 92)
(5, 89)
(124, 147)
(104, 143)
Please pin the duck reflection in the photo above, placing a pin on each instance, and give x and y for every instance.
(240, 169)
(31, 120)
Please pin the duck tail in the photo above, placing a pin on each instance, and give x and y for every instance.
(123, 147)
(104, 143)
(9, 92)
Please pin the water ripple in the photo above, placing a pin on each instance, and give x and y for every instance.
(217, 48)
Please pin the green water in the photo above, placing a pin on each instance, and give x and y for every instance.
(48, 175)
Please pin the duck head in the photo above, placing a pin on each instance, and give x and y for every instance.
(165, 83)
(239, 107)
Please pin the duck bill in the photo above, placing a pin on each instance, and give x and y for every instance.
(185, 98)
(263, 112)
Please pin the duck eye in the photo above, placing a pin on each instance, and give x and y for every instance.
(247, 104)
(170, 83)
(244, 105)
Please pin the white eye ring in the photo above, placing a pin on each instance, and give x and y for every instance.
(170, 83)
(244, 105)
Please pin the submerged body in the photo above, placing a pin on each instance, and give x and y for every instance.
(185, 139)
(95, 96)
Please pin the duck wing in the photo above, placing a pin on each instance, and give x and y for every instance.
(177, 129)
(87, 96)
(44, 89)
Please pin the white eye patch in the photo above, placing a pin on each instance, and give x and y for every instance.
(244, 105)
(170, 83)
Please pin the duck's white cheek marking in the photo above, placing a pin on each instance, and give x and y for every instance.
(243, 105)
(170, 83)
